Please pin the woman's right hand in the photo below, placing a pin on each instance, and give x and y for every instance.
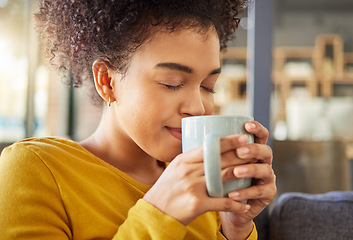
(180, 191)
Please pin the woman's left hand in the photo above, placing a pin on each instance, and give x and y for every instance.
(263, 189)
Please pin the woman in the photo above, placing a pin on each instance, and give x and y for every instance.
(153, 62)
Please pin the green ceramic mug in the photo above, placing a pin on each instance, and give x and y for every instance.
(207, 131)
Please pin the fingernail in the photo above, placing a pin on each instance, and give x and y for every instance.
(243, 139)
(247, 208)
(233, 195)
(242, 152)
(240, 171)
(250, 126)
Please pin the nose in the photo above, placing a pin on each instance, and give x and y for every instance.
(193, 104)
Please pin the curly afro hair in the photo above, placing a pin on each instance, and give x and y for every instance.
(77, 32)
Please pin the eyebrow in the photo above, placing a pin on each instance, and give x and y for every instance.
(182, 68)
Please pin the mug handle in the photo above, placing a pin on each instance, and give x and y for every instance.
(212, 165)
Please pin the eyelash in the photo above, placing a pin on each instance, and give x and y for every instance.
(174, 88)
(210, 90)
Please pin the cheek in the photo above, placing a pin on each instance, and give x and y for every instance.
(143, 107)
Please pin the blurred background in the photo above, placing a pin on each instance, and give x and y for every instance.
(311, 105)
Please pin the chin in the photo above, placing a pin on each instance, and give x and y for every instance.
(169, 156)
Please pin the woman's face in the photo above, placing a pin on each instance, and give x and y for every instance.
(169, 78)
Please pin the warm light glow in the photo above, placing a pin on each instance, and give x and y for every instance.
(3, 45)
(3, 3)
(13, 81)
(13, 69)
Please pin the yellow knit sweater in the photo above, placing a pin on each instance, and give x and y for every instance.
(51, 188)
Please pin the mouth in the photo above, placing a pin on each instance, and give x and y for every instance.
(175, 132)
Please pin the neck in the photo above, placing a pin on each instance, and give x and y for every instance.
(120, 151)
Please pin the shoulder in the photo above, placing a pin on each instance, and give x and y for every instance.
(44, 146)
(50, 157)
(24, 163)
(46, 143)
(46, 150)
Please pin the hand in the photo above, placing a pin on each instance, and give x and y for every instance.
(263, 191)
(181, 192)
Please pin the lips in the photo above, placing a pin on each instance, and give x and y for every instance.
(175, 132)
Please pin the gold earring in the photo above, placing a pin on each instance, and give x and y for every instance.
(109, 103)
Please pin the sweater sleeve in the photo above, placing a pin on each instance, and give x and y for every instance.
(147, 222)
(30, 203)
(253, 235)
(144, 221)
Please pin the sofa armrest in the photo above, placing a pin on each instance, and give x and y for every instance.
(312, 216)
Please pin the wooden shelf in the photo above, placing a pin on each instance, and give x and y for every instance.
(319, 68)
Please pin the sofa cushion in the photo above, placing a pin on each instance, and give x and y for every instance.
(312, 216)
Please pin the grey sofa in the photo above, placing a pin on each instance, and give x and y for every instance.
(326, 216)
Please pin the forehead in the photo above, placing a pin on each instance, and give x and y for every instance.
(182, 46)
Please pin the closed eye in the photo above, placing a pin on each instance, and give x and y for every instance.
(172, 87)
(210, 90)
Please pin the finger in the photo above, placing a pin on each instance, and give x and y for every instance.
(231, 159)
(263, 193)
(182, 167)
(260, 132)
(228, 174)
(227, 205)
(195, 155)
(258, 171)
(264, 187)
(257, 152)
(230, 143)
(237, 172)
(264, 182)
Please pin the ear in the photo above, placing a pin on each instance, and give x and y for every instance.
(102, 80)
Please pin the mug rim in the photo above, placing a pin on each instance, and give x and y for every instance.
(250, 118)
